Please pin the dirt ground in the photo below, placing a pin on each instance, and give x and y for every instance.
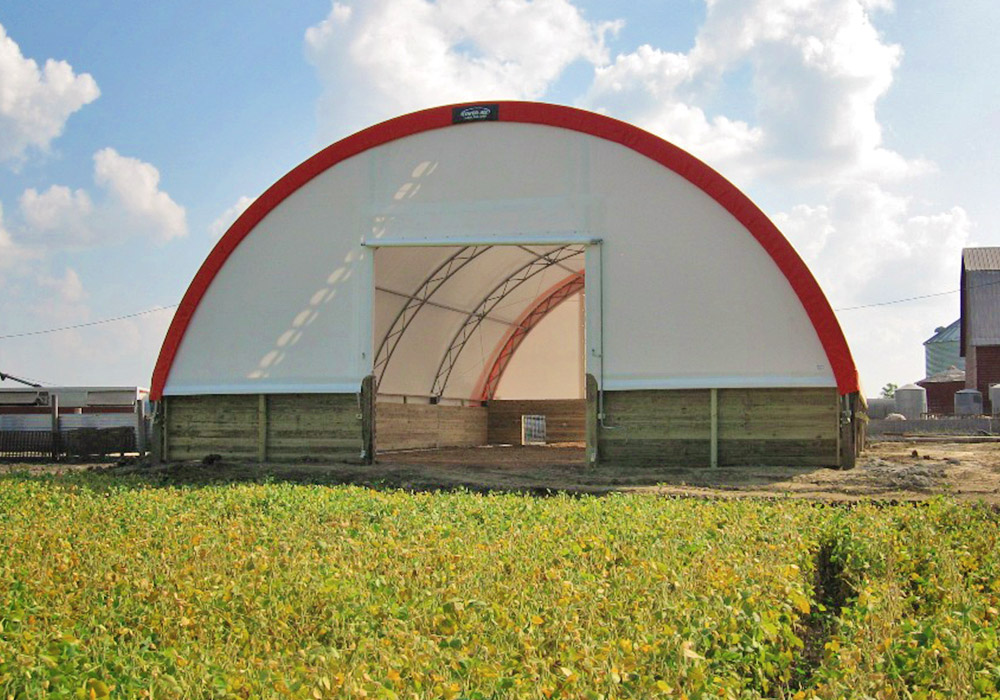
(912, 469)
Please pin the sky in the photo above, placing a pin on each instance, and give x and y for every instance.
(133, 134)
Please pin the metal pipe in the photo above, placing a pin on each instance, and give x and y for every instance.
(464, 312)
(555, 239)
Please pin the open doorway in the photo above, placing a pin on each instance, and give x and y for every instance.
(474, 343)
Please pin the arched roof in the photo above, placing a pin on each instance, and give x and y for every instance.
(752, 219)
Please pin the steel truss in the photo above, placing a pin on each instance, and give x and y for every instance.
(541, 263)
(445, 271)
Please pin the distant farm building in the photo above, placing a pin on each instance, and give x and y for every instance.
(979, 343)
(942, 351)
(72, 420)
(941, 389)
(475, 274)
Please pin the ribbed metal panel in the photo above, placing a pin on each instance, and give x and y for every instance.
(982, 307)
(71, 421)
(941, 356)
(981, 258)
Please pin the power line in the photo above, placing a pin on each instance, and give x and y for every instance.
(921, 296)
(899, 301)
(89, 323)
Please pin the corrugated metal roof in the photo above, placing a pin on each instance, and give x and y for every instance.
(947, 334)
(981, 258)
(952, 374)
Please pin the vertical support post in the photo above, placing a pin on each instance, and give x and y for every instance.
(156, 451)
(165, 429)
(848, 420)
(56, 446)
(368, 419)
(365, 291)
(592, 425)
(593, 294)
(140, 426)
(262, 428)
(714, 433)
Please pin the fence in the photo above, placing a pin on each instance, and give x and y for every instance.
(52, 436)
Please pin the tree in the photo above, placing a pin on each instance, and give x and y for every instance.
(889, 390)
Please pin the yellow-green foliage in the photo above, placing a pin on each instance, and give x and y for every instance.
(276, 590)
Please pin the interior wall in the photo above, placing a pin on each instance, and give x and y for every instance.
(565, 420)
(410, 426)
(549, 363)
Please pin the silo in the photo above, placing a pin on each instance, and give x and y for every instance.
(879, 408)
(995, 399)
(911, 401)
(968, 402)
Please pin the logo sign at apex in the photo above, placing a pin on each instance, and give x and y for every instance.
(475, 113)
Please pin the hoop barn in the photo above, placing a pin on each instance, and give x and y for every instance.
(428, 280)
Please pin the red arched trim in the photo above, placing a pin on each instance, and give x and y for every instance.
(516, 335)
(670, 156)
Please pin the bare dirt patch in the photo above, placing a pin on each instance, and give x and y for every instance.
(902, 470)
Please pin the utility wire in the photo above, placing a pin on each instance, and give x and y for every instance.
(89, 323)
(900, 301)
(922, 296)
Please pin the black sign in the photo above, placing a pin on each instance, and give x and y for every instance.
(475, 113)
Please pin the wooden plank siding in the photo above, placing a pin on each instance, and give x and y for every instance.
(313, 426)
(276, 427)
(409, 426)
(793, 427)
(565, 419)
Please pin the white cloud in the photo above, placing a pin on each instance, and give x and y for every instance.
(58, 212)
(392, 56)
(35, 103)
(67, 289)
(132, 205)
(818, 69)
(134, 189)
(229, 216)
(866, 246)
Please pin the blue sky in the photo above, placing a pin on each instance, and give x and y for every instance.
(866, 131)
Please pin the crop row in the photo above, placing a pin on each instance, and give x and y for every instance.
(276, 590)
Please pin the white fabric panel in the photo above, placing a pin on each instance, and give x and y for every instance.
(283, 311)
(689, 295)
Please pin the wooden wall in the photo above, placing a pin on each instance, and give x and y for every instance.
(409, 426)
(793, 427)
(565, 419)
(277, 427)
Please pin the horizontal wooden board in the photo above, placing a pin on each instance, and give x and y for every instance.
(657, 415)
(418, 426)
(565, 419)
(755, 426)
(322, 427)
(198, 426)
(785, 414)
(785, 453)
(680, 453)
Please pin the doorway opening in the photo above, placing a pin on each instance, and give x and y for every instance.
(480, 346)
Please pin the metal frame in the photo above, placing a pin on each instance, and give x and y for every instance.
(540, 264)
(445, 271)
(570, 286)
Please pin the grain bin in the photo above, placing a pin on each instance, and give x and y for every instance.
(968, 402)
(911, 401)
(995, 399)
(879, 408)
